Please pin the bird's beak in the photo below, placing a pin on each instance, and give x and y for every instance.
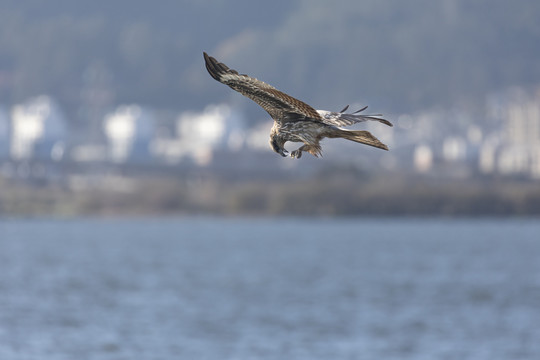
(275, 146)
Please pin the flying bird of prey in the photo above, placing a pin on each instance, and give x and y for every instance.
(295, 120)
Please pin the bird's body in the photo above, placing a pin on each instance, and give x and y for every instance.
(295, 120)
(308, 132)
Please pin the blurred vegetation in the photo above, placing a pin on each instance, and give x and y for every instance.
(403, 55)
(340, 193)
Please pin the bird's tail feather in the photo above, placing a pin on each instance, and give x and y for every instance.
(362, 137)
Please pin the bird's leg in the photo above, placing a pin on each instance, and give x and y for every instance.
(313, 149)
(297, 154)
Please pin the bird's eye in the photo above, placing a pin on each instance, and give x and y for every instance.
(274, 145)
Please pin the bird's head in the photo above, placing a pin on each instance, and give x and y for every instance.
(277, 145)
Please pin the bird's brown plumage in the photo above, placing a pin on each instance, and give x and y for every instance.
(294, 120)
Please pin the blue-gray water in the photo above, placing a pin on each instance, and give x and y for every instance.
(211, 288)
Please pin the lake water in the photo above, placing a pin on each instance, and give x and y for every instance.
(211, 288)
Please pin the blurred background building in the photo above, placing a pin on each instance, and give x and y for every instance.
(37, 128)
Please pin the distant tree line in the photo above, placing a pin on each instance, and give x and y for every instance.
(395, 55)
(341, 193)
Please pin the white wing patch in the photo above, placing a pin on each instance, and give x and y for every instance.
(343, 119)
(325, 114)
(228, 77)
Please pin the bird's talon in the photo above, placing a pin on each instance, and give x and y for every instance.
(297, 154)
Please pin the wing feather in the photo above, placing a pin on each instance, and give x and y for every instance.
(342, 119)
(280, 106)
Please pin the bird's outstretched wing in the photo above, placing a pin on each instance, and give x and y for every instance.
(279, 105)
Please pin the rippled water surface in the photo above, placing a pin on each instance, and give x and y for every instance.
(209, 288)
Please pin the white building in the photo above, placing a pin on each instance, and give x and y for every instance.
(200, 134)
(518, 148)
(423, 158)
(129, 130)
(454, 149)
(37, 127)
